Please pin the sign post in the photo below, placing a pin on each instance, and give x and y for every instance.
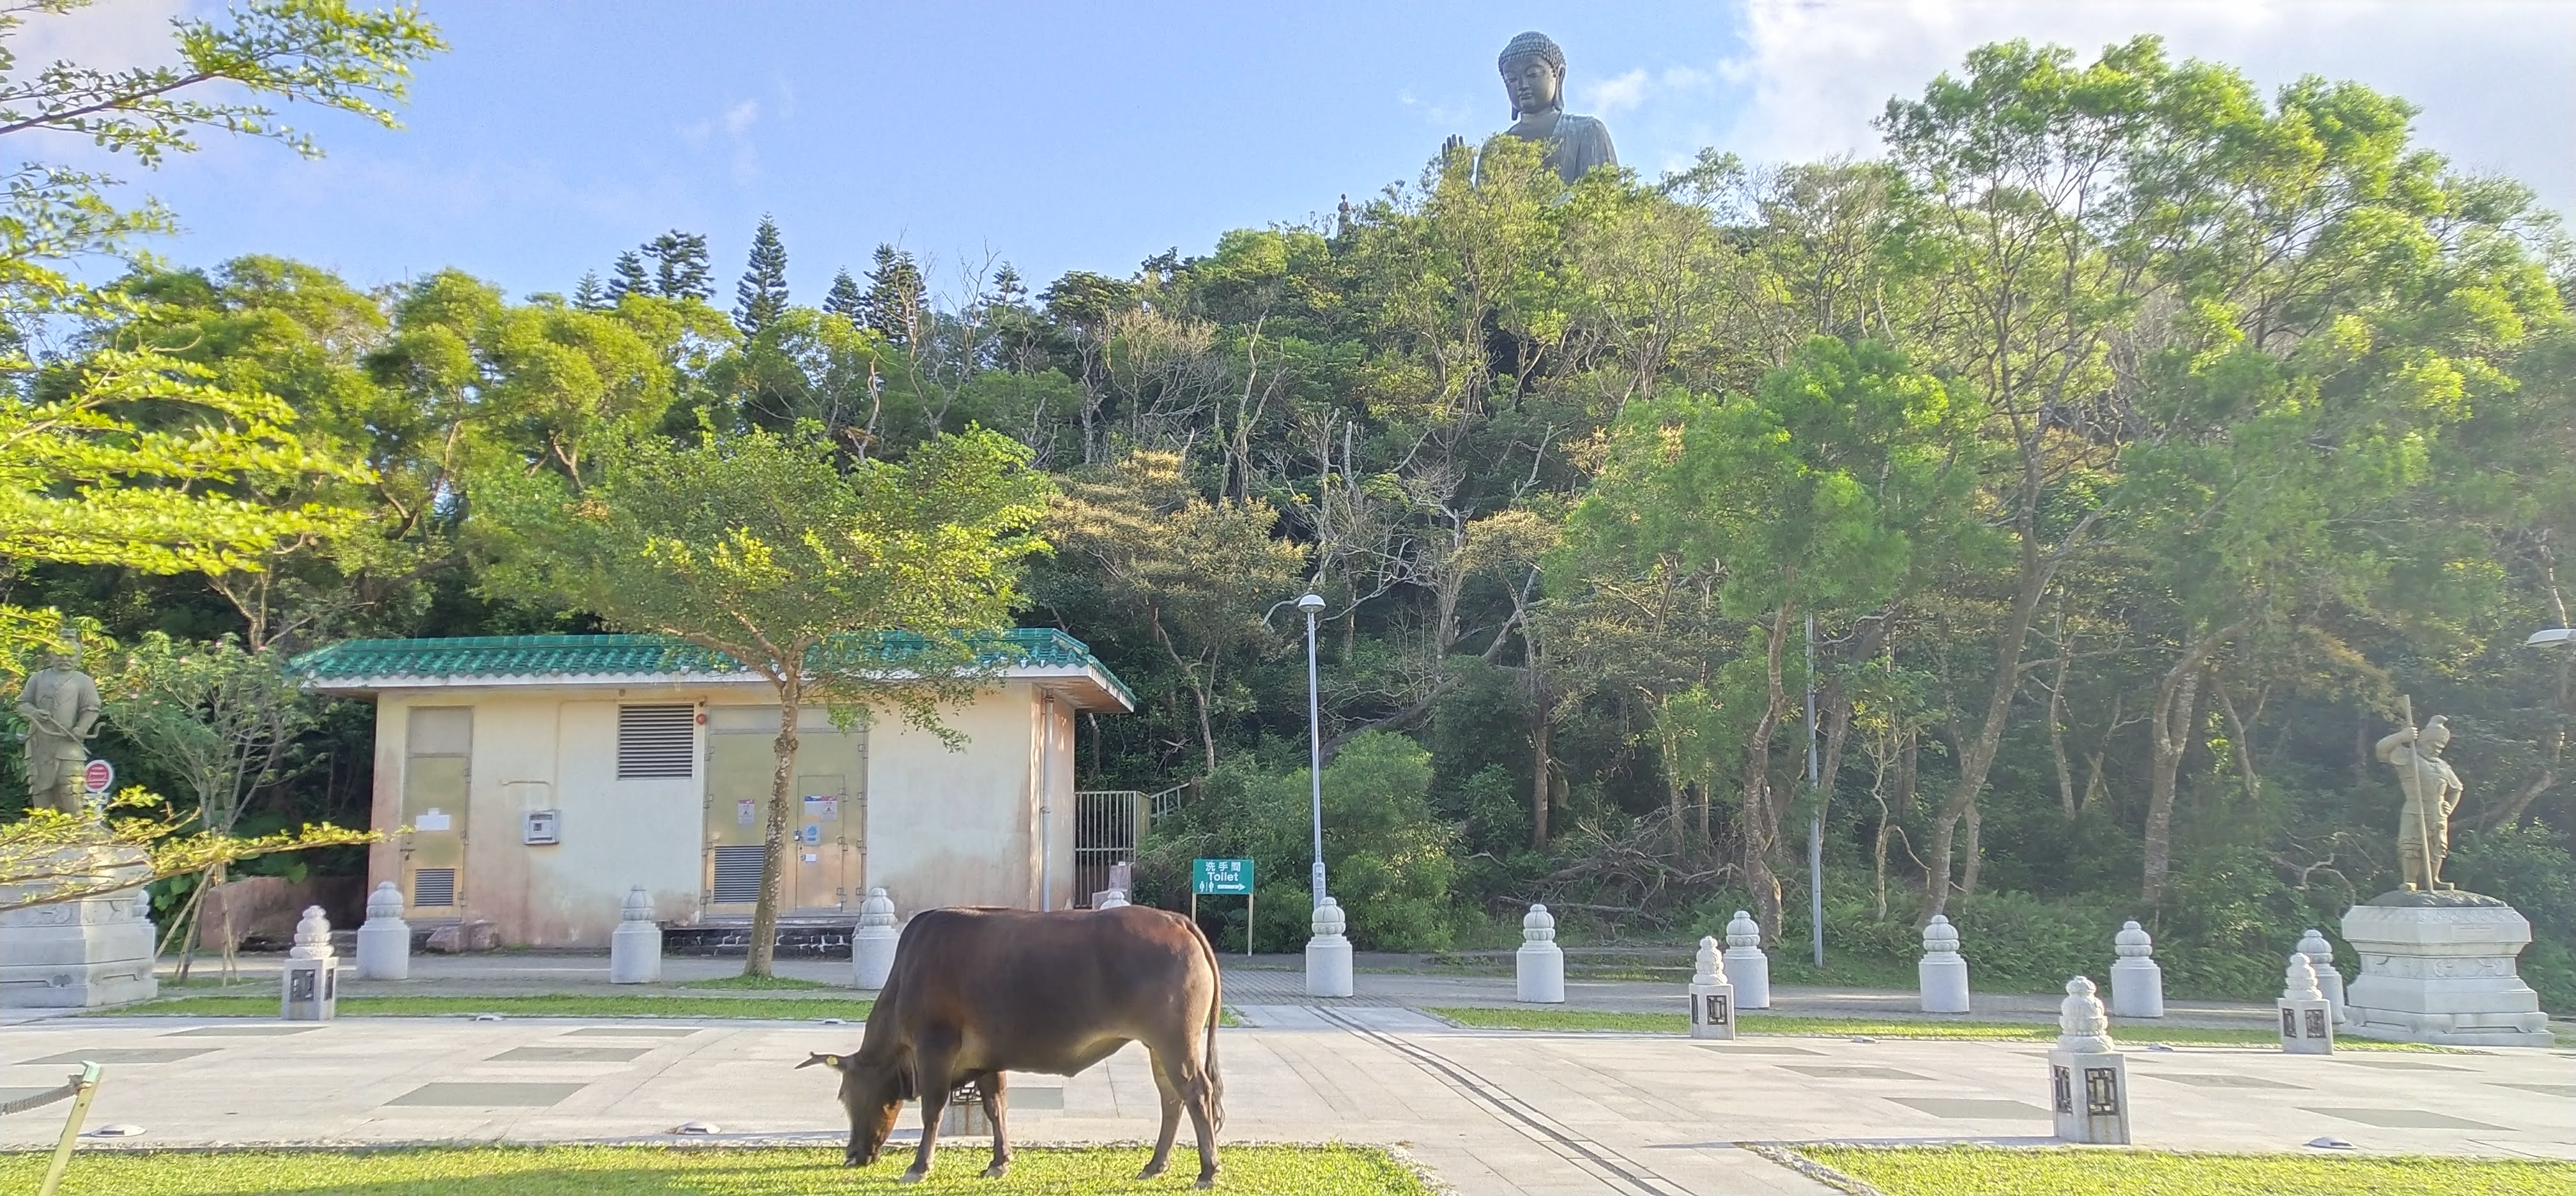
(1223, 878)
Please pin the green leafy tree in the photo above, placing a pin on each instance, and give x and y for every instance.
(628, 277)
(897, 299)
(590, 294)
(761, 296)
(756, 546)
(845, 299)
(679, 265)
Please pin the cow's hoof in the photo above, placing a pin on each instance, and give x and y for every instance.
(912, 1177)
(997, 1171)
(1151, 1170)
(1205, 1182)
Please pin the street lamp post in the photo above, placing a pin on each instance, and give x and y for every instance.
(1313, 605)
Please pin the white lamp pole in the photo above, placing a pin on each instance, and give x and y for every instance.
(1313, 605)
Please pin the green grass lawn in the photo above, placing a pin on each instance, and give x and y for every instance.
(1763, 1023)
(652, 1171)
(796, 1009)
(1986, 1171)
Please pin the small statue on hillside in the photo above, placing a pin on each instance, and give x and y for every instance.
(60, 707)
(2432, 792)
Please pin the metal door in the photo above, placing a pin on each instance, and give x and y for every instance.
(826, 861)
(437, 749)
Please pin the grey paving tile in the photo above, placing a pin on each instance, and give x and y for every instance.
(2405, 1119)
(634, 1031)
(241, 1031)
(2543, 1089)
(123, 1055)
(1842, 1072)
(2399, 1065)
(485, 1096)
(2217, 1081)
(542, 1054)
(1967, 1109)
(1753, 1048)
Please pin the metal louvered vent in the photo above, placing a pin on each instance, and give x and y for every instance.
(738, 874)
(656, 742)
(434, 887)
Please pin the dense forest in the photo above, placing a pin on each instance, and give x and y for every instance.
(2115, 457)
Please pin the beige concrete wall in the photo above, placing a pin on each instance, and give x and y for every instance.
(944, 827)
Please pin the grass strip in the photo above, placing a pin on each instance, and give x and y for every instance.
(1988, 1171)
(793, 1009)
(1763, 1023)
(698, 1171)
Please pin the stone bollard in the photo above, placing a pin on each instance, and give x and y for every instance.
(1746, 964)
(2088, 1081)
(1540, 964)
(635, 947)
(384, 941)
(872, 944)
(1943, 974)
(312, 973)
(1328, 954)
(2137, 984)
(1713, 1002)
(2313, 944)
(2307, 1018)
(1109, 899)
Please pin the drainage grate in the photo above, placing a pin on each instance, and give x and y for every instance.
(738, 874)
(433, 887)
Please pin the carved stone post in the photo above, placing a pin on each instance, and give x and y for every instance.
(1540, 963)
(2307, 1018)
(872, 944)
(1712, 998)
(2313, 944)
(311, 978)
(1943, 974)
(2088, 1081)
(635, 947)
(384, 940)
(1328, 954)
(2137, 984)
(1746, 964)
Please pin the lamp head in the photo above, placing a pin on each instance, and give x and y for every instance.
(2552, 635)
(1312, 604)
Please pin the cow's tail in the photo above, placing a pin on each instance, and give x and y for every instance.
(1216, 1013)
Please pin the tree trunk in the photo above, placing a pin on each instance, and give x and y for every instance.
(1540, 764)
(1977, 753)
(763, 948)
(1975, 821)
(2169, 728)
(1761, 811)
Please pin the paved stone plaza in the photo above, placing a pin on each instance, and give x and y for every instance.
(1489, 1112)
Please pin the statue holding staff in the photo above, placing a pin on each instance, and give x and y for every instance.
(60, 707)
(2432, 792)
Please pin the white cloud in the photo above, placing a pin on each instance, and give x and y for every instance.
(115, 35)
(2490, 75)
(1618, 94)
(739, 118)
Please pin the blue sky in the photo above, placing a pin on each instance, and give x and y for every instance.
(1089, 136)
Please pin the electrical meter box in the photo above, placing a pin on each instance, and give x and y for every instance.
(541, 829)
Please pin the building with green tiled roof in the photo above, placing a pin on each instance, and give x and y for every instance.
(532, 780)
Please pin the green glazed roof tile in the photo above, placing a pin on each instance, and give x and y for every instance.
(568, 655)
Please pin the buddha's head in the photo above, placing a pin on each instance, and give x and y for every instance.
(1533, 74)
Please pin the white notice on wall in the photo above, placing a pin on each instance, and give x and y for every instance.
(431, 820)
(809, 857)
(744, 810)
(821, 808)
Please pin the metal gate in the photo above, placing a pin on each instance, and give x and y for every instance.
(1107, 824)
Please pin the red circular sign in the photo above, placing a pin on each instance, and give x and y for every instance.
(98, 776)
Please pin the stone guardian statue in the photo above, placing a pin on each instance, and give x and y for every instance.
(1534, 77)
(60, 707)
(2432, 792)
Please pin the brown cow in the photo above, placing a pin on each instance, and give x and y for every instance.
(976, 992)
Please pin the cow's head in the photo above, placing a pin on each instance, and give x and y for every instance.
(874, 1094)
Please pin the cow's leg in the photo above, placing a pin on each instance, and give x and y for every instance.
(934, 1076)
(989, 1085)
(1196, 1093)
(1171, 1094)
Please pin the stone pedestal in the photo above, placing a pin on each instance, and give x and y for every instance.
(1943, 973)
(384, 940)
(1713, 1000)
(1328, 953)
(1539, 966)
(2320, 953)
(309, 983)
(2439, 968)
(1746, 965)
(2307, 1018)
(80, 954)
(872, 944)
(2088, 1081)
(635, 947)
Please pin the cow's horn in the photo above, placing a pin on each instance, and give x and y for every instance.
(830, 1061)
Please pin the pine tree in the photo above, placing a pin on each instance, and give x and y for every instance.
(845, 299)
(629, 277)
(680, 271)
(894, 296)
(761, 296)
(589, 295)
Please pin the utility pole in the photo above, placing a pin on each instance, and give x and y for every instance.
(1313, 604)
(1816, 818)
